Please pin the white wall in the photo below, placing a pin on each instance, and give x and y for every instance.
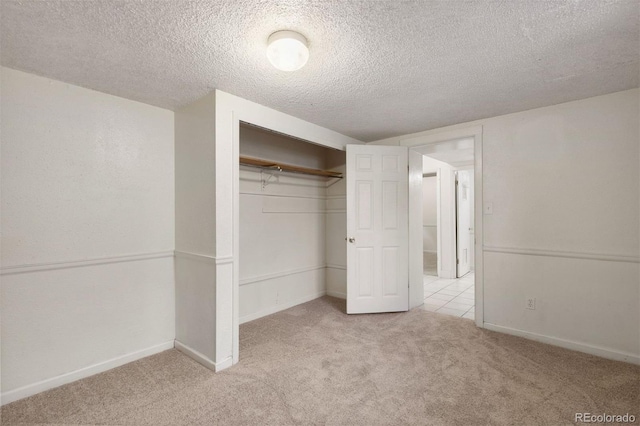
(282, 226)
(195, 261)
(429, 214)
(563, 182)
(87, 232)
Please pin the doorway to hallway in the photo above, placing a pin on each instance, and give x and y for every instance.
(448, 234)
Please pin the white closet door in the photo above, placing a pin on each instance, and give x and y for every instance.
(377, 229)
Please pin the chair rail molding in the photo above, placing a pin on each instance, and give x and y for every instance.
(527, 251)
(36, 267)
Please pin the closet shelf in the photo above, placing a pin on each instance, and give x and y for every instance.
(281, 167)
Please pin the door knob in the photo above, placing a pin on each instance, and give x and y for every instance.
(352, 240)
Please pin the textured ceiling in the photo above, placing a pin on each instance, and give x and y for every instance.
(377, 68)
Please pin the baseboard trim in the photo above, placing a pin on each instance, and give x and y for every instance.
(63, 379)
(567, 344)
(337, 294)
(203, 359)
(36, 267)
(280, 307)
(266, 277)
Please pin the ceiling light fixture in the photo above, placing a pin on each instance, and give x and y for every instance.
(287, 50)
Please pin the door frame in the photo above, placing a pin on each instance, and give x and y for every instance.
(427, 139)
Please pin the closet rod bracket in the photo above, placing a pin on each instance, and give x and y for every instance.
(335, 180)
(265, 181)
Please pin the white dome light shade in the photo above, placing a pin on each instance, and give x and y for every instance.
(287, 50)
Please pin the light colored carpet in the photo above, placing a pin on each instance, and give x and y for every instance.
(312, 364)
(430, 263)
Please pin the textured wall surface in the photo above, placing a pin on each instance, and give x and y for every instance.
(84, 174)
(87, 182)
(430, 214)
(377, 68)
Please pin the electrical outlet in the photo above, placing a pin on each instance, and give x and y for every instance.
(531, 303)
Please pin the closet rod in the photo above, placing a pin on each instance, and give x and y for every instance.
(281, 167)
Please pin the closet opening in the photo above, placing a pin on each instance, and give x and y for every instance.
(292, 222)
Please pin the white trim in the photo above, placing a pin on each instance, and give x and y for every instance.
(568, 344)
(280, 307)
(333, 266)
(561, 253)
(266, 277)
(195, 256)
(437, 137)
(63, 379)
(22, 269)
(222, 260)
(478, 224)
(337, 294)
(202, 359)
(225, 363)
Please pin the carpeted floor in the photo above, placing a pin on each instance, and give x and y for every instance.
(312, 364)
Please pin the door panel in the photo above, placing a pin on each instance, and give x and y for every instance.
(377, 229)
(390, 205)
(364, 269)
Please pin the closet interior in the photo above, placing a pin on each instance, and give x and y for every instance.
(292, 197)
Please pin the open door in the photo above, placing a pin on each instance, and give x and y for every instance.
(463, 223)
(377, 229)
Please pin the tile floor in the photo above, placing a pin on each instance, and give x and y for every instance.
(450, 296)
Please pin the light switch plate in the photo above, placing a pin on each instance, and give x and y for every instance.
(488, 208)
